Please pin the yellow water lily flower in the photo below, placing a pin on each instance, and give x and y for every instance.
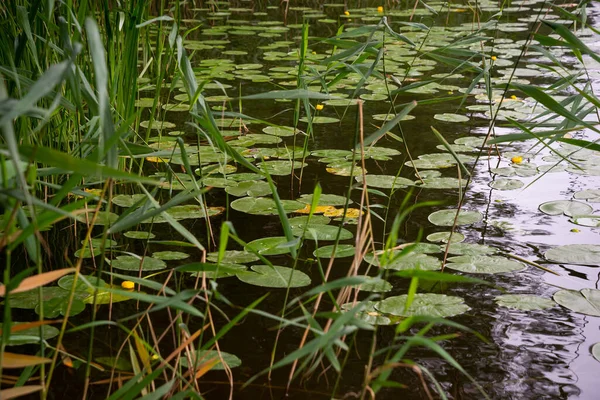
(380, 9)
(155, 159)
(347, 13)
(127, 285)
(494, 58)
(96, 192)
(513, 97)
(339, 212)
(317, 210)
(517, 159)
(319, 107)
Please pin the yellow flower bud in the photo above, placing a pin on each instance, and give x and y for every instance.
(575, 230)
(380, 9)
(319, 107)
(493, 58)
(517, 159)
(347, 13)
(127, 285)
(513, 97)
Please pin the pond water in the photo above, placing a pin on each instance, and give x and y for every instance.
(247, 48)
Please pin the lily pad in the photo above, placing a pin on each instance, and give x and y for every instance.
(448, 117)
(469, 249)
(385, 181)
(596, 351)
(279, 130)
(321, 120)
(271, 246)
(222, 270)
(30, 335)
(368, 314)
(341, 250)
(324, 199)
(274, 276)
(429, 304)
(143, 235)
(526, 302)
(170, 255)
(249, 188)
(506, 184)
(103, 217)
(566, 207)
(233, 257)
(121, 363)
(205, 356)
(585, 301)
(376, 285)
(591, 195)
(58, 306)
(476, 264)
(66, 282)
(592, 220)
(322, 232)
(446, 217)
(131, 263)
(443, 183)
(264, 206)
(444, 237)
(126, 200)
(581, 254)
(401, 263)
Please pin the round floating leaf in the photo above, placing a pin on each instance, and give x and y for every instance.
(222, 270)
(332, 153)
(592, 220)
(444, 237)
(280, 167)
(264, 206)
(103, 217)
(582, 254)
(204, 356)
(314, 220)
(506, 184)
(591, 195)
(324, 200)
(29, 300)
(432, 305)
(376, 285)
(446, 217)
(157, 125)
(566, 207)
(484, 264)
(233, 257)
(322, 232)
(66, 282)
(400, 263)
(368, 313)
(586, 301)
(443, 183)
(271, 246)
(105, 297)
(321, 120)
(596, 351)
(249, 188)
(526, 302)
(87, 253)
(139, 235)
(54, 307)
(385, 181)
(131, 263)
(469, 249)
(118, 363)
(170, 255)
(125, 200)
(341, 250)
(30, 335)
(279, 130)
(448, 117)
(274, 276)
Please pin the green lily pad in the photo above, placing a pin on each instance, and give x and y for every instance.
(405, 262)
(131, 263)
(368, 313)
(87, 252)
(170, 255)
(321, 120)
(582, 254)
(126, 200)
(30, 299)
(142, 235)
(566, 207)
(591, 195)
(279, 130)
(484, 264)
(506, 184)
(446, 217)
(264, 206)
(103, 217)
(58, 306)
(376, 285)
(585, 301)
(444, 237)
(341, 250)
(321, 232)
(121, 363)
(105, 297)
(233, 257)
(222, 270)
(274, 276)
(429, 304)
(271, 246)
(157, 125)
(592, 220)
(526, 302)
(596, 351)
(469, 249)
(204, 356)
(385, 181)
(325, 200)
(315, 219)
(249, 188)
(66, 282)
(30, 335)
(443, 183)
(448, 117)
(280, 167)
